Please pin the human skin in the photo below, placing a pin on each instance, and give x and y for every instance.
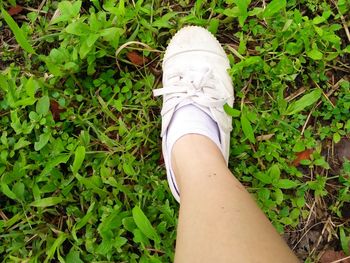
(219, 221)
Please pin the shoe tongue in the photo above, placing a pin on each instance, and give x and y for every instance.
(188, 101)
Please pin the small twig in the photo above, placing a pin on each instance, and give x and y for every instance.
(295, 94)
(325, 95)
(307, 120)
(307, 231)
(235, 52)
(263, 167)
(340, 260)
(34, 10)
(319, 103)
(311, 212)
(38, 10)
(245, 91)
(339, 68)
(329, 93)
(31, 238)
(320, 237)
(343, 21)
(3, 216)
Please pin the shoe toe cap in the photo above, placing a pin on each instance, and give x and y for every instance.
(193, 38)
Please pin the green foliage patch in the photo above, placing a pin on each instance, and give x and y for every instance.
(81, 175)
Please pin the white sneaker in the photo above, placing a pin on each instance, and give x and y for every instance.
(195, 72)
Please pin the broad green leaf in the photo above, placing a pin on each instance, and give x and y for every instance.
(56, 245)
(67, 11)
(263, 177)
(336, 137)
(299, 146)
(164, 21)
(25, 102)
(111, 33)
(91, 39)
(18, 189)
(273, 7)
(344, 240)
(247, 128)
(285, 184)
(140, 237)
(7, 191)
(4, 83)
(275, 172)
(294, 48)
(198, 7)
(53, 163)
(78, 28)
(84, 50)
(144, 224)
(214, 25)
(121, 8)
(347, 125)
(231, 111)
(45, 202)
(109, 223)
(304, 102)
(128, 169)
(73, 257)
(278, 196)
(104, 247)
(129, 224)
(19, 35)
(92, 182)
(43, 140)
(232, 12)
(264, 194)
(315, 54)
(79, 157)
(31, 87)
(83, 221)
(318, 20)
(43, 105)
(22, 142)
(243, 10)
(255, 11)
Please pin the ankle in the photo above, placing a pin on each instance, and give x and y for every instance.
(193, 155)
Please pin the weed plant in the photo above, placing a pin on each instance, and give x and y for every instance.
(81, 173)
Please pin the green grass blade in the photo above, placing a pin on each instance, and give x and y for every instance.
(273, 7)
(247, 128)
(45, 202)
(19, 35)
(144, 224)
(304, 102)
(78, 159)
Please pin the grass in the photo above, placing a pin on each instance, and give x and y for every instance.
(81, 174)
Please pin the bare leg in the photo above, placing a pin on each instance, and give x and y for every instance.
(219, 221)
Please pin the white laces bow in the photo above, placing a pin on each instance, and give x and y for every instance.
(199, 85)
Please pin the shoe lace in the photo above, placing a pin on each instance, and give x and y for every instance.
(199, 85)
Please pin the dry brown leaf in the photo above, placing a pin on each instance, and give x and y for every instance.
(331, 256)
(55, 110)
(304, 155)
(136, 58)
(14, 10)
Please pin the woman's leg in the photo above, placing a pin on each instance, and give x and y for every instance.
(219, 221)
